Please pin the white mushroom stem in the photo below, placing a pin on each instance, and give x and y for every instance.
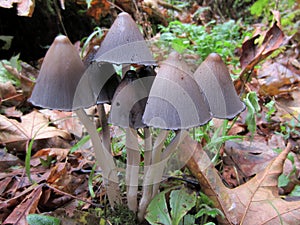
(105, 128)
(150, 173)
(147, 148)
(132, 168)
(104, 159)
(171, 148)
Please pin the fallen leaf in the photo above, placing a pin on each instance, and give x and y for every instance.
(275, 78)
(253, 53)
(32, 126)
(250, 157)
(27, 206)
(24, 7)
(65, 120)
(98, 9)
(7, 160)
(255, 202)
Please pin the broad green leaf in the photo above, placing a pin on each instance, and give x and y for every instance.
(157, 211)
(181, 202)
(37, 219)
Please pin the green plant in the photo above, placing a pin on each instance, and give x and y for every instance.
(180, 204)
(214, 137)
(203, 40)
(290, 128)
(271, 110)
(37, 219)
(181, 201)
(206, 209)
(288, 12)
(251, 101)
(5, 75)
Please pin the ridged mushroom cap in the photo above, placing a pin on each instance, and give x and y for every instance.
(214, 79)
(59, 76)
(175, 100)
(124, 44)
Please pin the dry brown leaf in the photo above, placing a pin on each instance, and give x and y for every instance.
(7, 160)
(98, 9)
(253, 53)
(32, 126)
(65, 121)
(255, 202)
(249, 157)
(24, 7)
(27, 206)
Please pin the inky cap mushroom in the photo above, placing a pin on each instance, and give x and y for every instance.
(59, 76)
(175, 100)
(128, 103)
(124, 43)
(214, 79)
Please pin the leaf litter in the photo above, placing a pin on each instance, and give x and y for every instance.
(247, 185)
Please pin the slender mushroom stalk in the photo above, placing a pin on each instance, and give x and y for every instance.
(132, 168)
(104, 160)
(127, 109)
(149, 174)
(60, 86)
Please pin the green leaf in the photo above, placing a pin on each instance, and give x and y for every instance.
(181, 201)
(188, 220)
(296, 191)
(6, 76)
(157, 211)
(253, 107)
(283, 180)
(258, 7)
(37, 219)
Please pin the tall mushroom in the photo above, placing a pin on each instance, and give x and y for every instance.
(62, 85)
(124, 45)
(214, 79)
(175, 103)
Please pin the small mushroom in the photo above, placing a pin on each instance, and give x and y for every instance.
(59, 76)
(62, 86)
(124, 43)
(214, 79)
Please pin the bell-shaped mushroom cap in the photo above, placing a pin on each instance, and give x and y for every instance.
(107, 92)
(124, 44)
(97, 85)
(60, 73)
(214, 79)
(128, 103)
(175, 100)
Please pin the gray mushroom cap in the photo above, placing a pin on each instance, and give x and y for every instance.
(129, 101)
(175, 100)
(124, 44)
(214, 79)
(59, 76)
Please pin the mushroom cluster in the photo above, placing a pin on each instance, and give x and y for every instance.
(171, 98)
